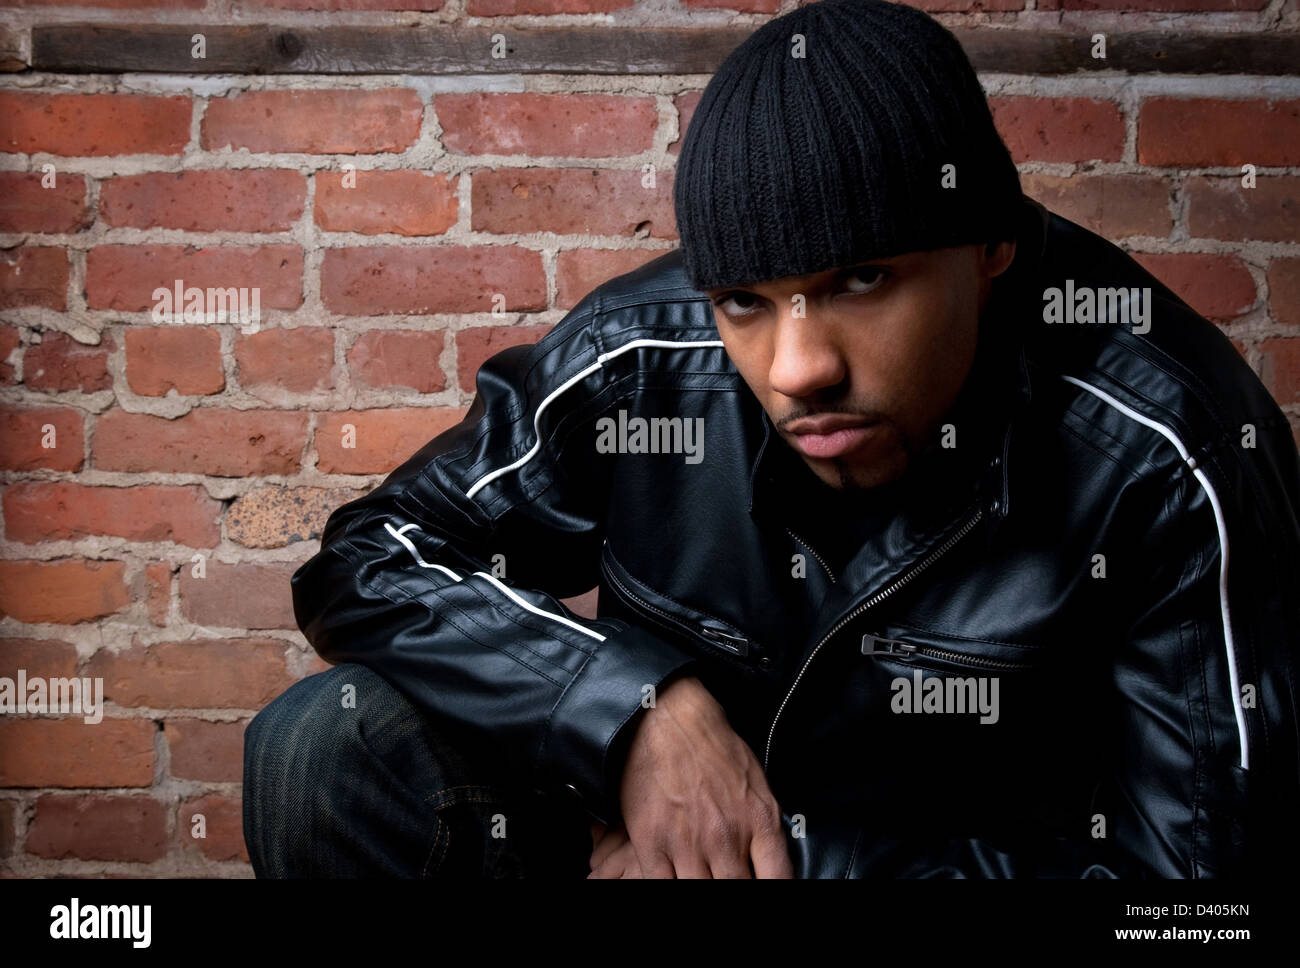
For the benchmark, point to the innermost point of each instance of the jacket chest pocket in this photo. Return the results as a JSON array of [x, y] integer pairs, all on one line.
[[1006, 731], [1034, 703], [716, 637]]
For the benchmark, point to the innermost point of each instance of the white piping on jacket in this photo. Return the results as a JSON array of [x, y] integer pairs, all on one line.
[[600, 361], [1221, 524], [397, 533], [400, 536], [541, 611]]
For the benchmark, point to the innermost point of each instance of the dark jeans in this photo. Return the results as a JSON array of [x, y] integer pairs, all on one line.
[[381, 790]]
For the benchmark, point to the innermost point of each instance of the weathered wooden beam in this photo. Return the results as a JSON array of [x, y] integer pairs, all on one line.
[[1135, 52], [268, 49], [383, 50]]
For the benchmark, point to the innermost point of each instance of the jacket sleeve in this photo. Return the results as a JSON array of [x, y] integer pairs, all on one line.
[[1198, 731], [445, 579]]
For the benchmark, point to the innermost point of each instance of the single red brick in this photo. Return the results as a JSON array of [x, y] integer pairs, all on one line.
[[183, 358], [314, 122], [1284, 290], [206, 751], [381, 439], [686, 104], [222, 443], [572, 201], [1280, 368], [241, 200], [272, 517], [1191, 132], [9, 341], [194, 674], [376, 280], [27, 206], [401, 202], [46, 658], [399, 358], [1170, 6], [509, 8], [740, 6], [35, 437], [1217, 286], [299, 360], [99, 828], [66, 591], [58, 362], [529, 123], [1221, 208], [476, 344], [158, 576], [34, 276], [94, 125], [129, 277], [966, 6], [428, 5], [1059, 129], [579, 271], [1113, 206], [70, 752], [63, 510], [112, 4], [239, 595], [220, 821]]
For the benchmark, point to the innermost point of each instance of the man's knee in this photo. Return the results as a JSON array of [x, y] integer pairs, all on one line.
[[298, 725], [300, 752], [343, 776]]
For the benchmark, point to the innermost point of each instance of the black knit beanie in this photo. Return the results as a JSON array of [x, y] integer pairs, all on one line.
[[793, 165]]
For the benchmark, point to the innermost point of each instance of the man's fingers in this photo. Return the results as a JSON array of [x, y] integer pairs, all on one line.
[[770, 855], [729, 864], [620, 861], [631, 869], [609, 843], [653, 862], [690, 864], [727, 853]]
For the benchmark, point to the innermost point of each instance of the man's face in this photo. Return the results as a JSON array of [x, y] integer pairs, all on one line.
[[859, 381]]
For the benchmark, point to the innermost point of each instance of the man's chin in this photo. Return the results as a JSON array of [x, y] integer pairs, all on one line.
[[850, 478]]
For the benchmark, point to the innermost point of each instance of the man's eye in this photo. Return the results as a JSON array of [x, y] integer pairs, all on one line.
[[736, 297], [874, 276]]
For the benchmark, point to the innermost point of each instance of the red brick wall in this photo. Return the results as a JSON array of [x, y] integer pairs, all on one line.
[[175, 443]]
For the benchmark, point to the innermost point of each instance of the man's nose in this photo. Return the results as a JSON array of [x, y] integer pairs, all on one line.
[[806, 357]]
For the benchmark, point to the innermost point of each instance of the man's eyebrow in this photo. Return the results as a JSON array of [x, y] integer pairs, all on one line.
[[829, 273]]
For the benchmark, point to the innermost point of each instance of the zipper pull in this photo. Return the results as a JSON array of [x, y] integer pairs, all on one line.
[[732, 643], [875, 645]]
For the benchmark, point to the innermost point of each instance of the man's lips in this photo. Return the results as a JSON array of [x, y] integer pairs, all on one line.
[[831, 435]]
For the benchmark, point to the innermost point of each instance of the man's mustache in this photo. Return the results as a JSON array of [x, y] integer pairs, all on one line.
[[869, 415]]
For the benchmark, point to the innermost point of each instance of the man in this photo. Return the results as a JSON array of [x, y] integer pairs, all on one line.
[[933, 537]]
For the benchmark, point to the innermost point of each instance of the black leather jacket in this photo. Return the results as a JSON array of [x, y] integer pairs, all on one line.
[[1070, 547]]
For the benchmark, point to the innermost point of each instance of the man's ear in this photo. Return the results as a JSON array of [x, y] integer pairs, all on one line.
[[998, 256]]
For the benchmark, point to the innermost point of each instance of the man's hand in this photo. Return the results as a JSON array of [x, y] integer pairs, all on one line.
[[694, 798]]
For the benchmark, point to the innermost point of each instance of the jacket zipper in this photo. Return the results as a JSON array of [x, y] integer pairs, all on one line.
[[898, 649], [814, 553], [863, 606], [735, 644]]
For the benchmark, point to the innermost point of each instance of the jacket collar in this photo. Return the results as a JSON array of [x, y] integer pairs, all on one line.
[[997, 390]]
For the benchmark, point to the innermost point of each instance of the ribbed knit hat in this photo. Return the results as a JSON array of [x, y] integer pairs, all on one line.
[[793, 165]]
